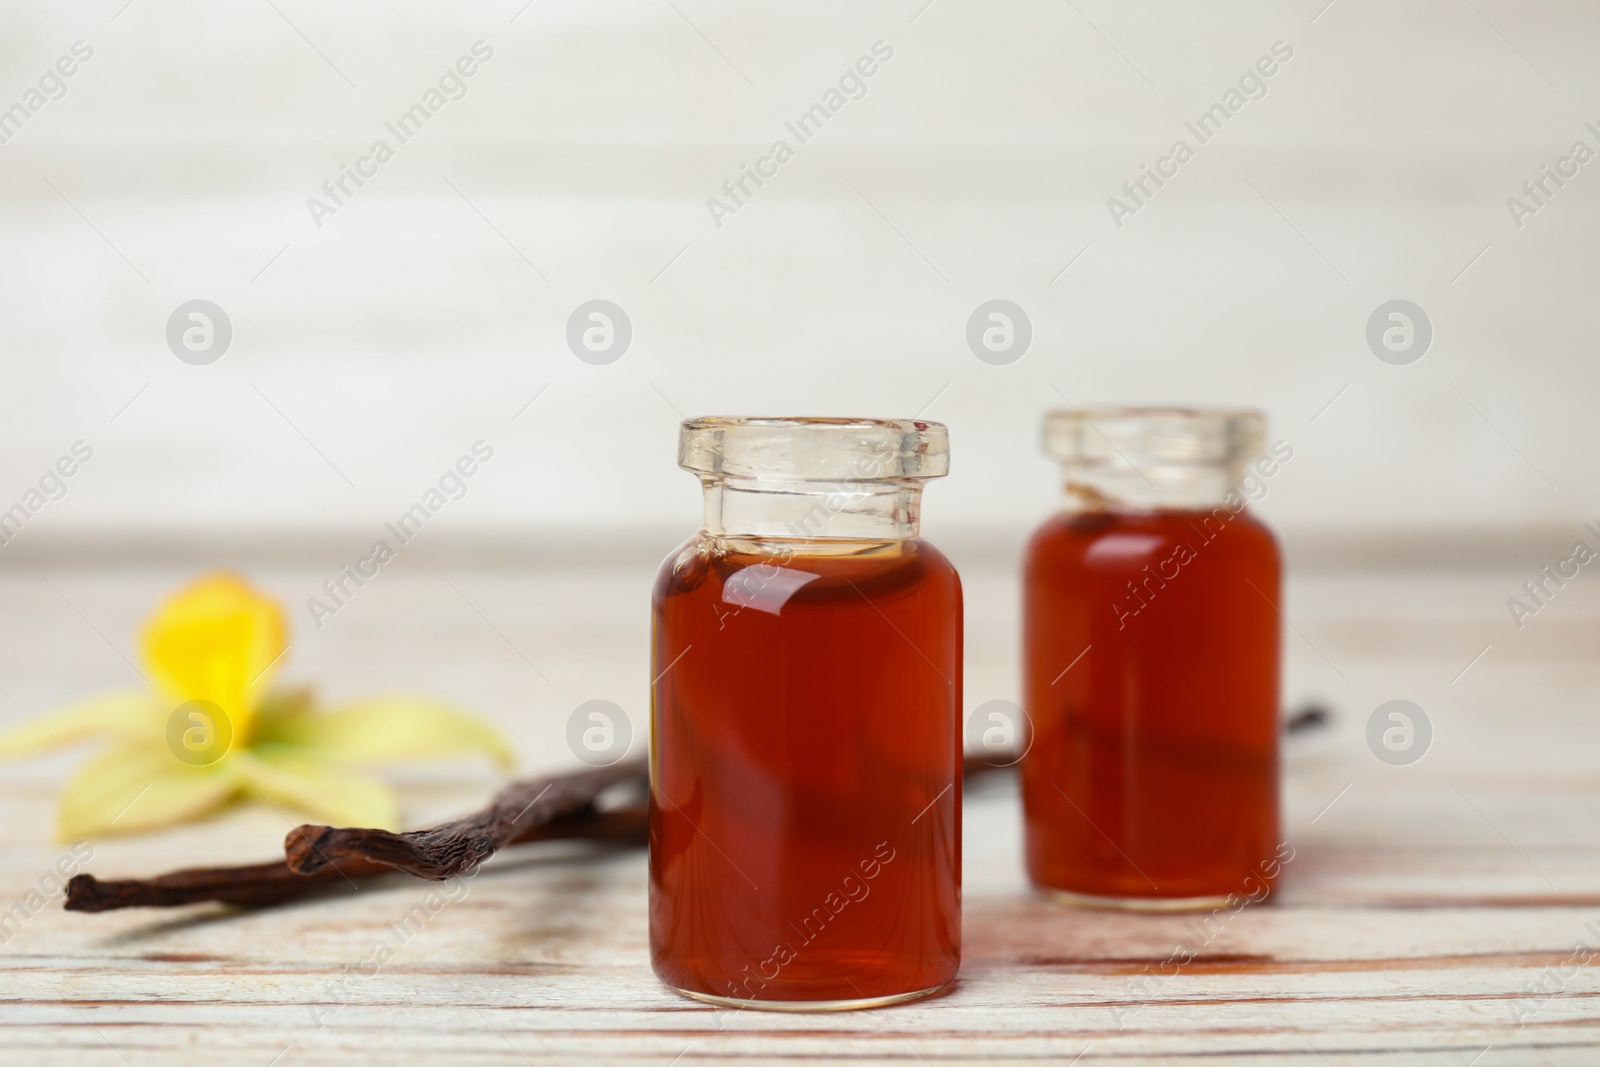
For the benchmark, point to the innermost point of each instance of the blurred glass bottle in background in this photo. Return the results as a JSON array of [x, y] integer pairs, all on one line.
[[1151, 663]]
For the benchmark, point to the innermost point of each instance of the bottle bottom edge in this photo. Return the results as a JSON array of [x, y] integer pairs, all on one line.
[[1091, 900], [854, 1004]]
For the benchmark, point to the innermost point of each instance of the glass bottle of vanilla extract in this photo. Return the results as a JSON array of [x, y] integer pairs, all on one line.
[[1151, 652], [805, 760]]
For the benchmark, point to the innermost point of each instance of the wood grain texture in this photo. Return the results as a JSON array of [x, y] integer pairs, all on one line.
[[1430, 912]]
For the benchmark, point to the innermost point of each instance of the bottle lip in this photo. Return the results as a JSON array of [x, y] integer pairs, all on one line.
[[1103, 436], [807, 449]]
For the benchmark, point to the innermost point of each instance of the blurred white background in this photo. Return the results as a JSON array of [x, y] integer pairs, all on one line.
[[372, 351]]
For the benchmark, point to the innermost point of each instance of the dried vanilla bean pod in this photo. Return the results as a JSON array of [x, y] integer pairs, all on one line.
[[456, 847], [560, 807]]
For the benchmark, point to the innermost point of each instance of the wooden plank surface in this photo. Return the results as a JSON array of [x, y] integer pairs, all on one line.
[[1429, 915]]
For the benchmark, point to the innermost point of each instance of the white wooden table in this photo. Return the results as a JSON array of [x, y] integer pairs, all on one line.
[[1429, 916]]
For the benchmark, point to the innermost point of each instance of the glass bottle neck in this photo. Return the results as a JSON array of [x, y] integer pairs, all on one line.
[[1150, 487], [812, 510]]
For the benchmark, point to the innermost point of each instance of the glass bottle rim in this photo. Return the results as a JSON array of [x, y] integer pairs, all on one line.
[[1157, 435], [822, 449]]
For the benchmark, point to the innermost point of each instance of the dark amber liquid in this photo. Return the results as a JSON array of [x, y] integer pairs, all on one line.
[[1154, 760], [805, 809]]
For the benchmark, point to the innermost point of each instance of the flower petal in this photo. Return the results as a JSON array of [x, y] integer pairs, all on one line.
[[139, 787], [129, 715], [320, 789], [388, 730], [216, 640]]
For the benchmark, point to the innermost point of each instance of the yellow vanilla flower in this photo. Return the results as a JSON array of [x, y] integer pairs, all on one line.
[[212, 732]]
